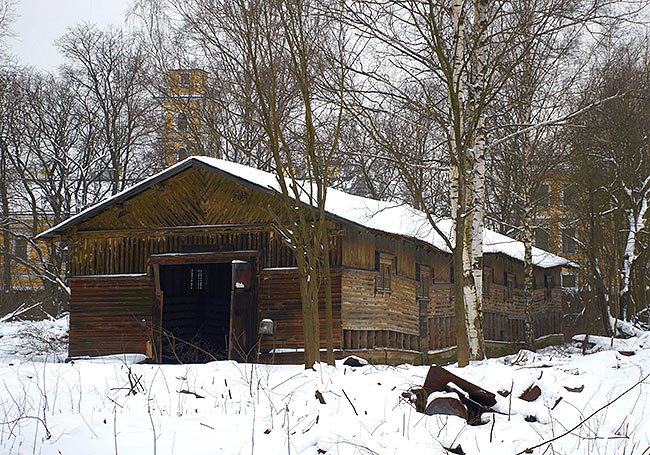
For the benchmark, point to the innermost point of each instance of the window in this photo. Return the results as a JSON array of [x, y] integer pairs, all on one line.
[[383, 265], [548, 285], [569, 280], [542, 239], [184, 79], [198, 279], [569, 195], [181, 122], [568, 240], [422, 278], [545, 194], [488, 277], [510, 283], [20, 248], [383, 278]]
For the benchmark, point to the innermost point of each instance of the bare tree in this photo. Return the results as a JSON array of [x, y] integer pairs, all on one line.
[[277, 85], [457, 59], [526, 148], [7, 16], [109, 68], [613, 148]]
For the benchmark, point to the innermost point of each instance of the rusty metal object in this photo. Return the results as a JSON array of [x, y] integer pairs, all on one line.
[[531, 393], [472, 398], [446, 406], [438, 378]]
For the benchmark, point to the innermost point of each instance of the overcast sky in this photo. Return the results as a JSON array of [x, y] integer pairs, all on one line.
[[40, 22]]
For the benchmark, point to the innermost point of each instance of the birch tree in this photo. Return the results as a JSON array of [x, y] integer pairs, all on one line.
[[460, 56]]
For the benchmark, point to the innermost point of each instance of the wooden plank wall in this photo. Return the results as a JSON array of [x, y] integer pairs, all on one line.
[[279, 300], [100, 254], [110, 314], [503, 320], [373, 318]]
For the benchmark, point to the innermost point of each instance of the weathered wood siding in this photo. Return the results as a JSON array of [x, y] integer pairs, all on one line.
[[129, 252], [365, 308], [375, 318], [202, 211], [503, 318], [279, 300], [110, 314]]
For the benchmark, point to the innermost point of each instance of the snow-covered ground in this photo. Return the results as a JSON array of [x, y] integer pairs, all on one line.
[[113, 406]]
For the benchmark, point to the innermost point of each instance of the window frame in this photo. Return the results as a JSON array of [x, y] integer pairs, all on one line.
[[569, 239], [184, 79], [384, 266], [21, 248], [423, 279]]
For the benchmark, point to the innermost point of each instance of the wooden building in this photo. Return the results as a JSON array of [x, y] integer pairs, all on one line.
[[190, 255]]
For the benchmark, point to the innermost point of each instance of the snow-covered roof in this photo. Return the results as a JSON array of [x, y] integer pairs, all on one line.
[[381, 216]]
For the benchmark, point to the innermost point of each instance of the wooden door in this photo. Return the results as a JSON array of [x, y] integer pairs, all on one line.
[[243, 313]]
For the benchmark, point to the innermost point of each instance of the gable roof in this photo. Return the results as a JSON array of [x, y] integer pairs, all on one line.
[[382, 216]]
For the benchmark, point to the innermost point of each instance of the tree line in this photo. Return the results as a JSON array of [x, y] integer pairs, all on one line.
[[464, 109]]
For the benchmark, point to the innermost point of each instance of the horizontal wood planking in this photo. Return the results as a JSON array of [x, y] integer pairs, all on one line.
[[364, 308], [107, 314], [279, 300]]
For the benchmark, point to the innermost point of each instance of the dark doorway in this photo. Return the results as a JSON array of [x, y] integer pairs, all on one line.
[[196, 312]]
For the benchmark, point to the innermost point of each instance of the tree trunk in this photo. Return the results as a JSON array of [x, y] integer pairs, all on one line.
[[312, 347], [529, 278], [327, 281], [458, 186], [473, 294], [6, 238]]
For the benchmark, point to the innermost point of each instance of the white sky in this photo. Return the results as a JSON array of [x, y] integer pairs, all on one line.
[[40, 22]]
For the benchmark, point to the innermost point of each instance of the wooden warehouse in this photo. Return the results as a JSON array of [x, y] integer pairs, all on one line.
[[188, 262]]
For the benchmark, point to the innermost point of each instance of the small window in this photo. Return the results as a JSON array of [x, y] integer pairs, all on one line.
[[184, 79], [488, 277], [20, 248], [542, 240], [548, 285], [569, 280], [197, 279], [383, 265], [569, 195], [181, 122], [568, 241], [383, 278], [544, 195], [422, 278], [510, 283]]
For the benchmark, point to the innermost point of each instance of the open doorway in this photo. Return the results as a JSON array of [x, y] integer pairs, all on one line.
[[196, 311]]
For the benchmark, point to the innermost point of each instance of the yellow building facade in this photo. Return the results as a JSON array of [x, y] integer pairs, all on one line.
[[558, 230], [183, 111]]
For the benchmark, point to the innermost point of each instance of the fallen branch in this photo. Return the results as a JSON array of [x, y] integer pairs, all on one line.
[[48, 435], [349, 401]]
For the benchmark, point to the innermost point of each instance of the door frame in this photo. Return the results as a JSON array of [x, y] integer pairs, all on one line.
[[156, 260]]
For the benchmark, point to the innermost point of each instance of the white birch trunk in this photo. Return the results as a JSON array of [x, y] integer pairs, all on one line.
[[458, 182], [529, 278], [473, 268], [636, 224]]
